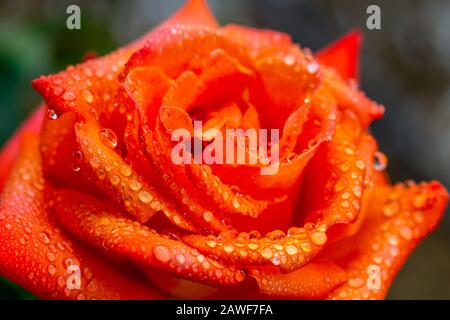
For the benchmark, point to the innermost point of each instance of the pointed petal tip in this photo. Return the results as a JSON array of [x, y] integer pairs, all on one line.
[[193, 12], [343, 54]]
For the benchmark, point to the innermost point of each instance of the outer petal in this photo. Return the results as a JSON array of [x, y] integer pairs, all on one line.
[[313, 281], [35, 252], [101, 225], [10, 150], [400, 216]]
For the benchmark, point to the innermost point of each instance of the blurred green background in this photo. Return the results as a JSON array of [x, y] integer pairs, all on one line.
[[405, 66]]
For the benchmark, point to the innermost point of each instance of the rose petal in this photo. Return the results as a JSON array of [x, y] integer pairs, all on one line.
[[286, 252], [10, 151], [343, 55], [313, 281], [399, 217], [120, 181], [35, 253], [101, 225]]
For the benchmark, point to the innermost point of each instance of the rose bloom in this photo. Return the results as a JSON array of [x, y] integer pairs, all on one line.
[[93, 207]]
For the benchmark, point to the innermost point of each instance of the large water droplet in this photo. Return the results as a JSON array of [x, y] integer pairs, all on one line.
[[162, 253], [69, 96], [380, 161], [51, 114], [108, 137], [145, 196]]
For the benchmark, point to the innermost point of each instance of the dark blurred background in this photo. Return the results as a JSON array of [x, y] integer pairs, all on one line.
[[405, 66]]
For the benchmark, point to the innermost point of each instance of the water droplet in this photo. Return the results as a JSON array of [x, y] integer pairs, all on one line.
[[125, 171], [289, 60], [51, 114], [254, 234], [357, 191], [211, 243], [419, 200], [109, 138], [319, 238], [162, 253], [181, 259], [236, 203], [349, 151], [145, 196], [360, 164], [50, 256], [406, 232], [75, 167], [58, 91], [156, 205], [390, 208], [228, 248], [43, 237], [340, 185], [134, 185], [291, 250], [69, 96], [115, 180], [51, 269], [95, 162], [87, 96], [276, 235], [355, 282], [208, 216], [239, 275], [77, 155], [312, 67], [306, 247], [81, 296], [380, 161], [267, 253]]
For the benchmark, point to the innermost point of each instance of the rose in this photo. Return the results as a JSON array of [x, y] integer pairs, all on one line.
[[93, 207]]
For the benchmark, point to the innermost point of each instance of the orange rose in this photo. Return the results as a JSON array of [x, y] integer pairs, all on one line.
[[93, 205]]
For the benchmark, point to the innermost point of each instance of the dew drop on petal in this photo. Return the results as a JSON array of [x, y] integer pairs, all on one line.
[[319, 238], [51, 269], [390, 208], [125, 171], [43, 237], [406, 232], [69, 96], [75, 167], [145, 196], [161, 253], [87, 96], [267, 253], [291, 250], [134, 185], [208, 216], [380, 161], [51, 114], [109, 138]]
